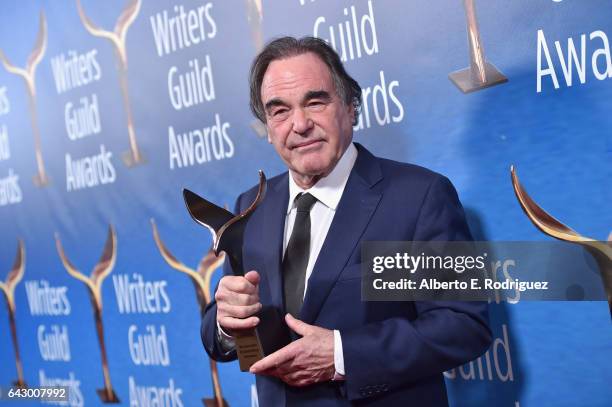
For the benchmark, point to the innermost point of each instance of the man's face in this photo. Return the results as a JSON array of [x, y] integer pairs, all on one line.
[[308, 123]]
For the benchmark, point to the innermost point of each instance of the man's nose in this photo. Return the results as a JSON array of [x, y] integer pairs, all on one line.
[[301, 122]]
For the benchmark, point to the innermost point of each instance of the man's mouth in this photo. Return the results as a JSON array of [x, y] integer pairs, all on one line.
[[306, 144]]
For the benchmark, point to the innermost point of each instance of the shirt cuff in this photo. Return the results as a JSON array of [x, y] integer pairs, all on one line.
[[227, 341], [338, 357]]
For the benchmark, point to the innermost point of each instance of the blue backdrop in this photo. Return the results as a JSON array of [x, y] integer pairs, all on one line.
[[184, 66]]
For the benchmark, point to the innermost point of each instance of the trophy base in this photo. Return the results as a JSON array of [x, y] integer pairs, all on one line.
[[464, 81], [20, 384], [214, 403], [130, 160], [41, 180], [260, 128], [270, 335], [104, 396]]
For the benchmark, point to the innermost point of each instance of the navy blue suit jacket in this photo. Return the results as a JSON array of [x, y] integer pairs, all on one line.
[[394, 352]]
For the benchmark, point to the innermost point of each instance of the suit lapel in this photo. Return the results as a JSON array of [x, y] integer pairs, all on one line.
[[272, 237], [357, 205]]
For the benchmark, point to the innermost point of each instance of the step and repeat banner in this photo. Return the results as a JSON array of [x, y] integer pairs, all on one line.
[[108, 109]]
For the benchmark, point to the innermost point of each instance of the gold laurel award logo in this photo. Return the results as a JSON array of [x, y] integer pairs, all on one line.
[[254, 10], [118, 38], [601, 251], [8, 289], [94, 284], [255, 18], [28, 74], [201, 282], [480, 74]]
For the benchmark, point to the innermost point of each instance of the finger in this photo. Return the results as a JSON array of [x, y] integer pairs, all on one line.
[[297, 378], [271, 372], [274, 360], [238, 284], [253, 277], [229, 323], [302, 383], [288, 377], [234, 298], [299, 327], [238, 311], [289, 374]]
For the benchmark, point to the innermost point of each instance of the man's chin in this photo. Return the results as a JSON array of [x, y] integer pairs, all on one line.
[[316, 172]]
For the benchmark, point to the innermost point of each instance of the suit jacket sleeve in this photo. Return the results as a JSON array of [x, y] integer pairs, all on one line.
[[397, 352]]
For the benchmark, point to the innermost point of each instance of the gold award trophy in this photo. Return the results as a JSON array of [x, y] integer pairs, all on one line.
[[201, 282], [480, 74], [601, 251], [255, 18], [94, 285], [118, 38], [28, 74], [227, 231], [8, 289]]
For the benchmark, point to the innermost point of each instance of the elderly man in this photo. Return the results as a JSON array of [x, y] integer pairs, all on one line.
[[302, 246]]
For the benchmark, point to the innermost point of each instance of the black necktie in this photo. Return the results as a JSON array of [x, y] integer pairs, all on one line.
[[296, 255]]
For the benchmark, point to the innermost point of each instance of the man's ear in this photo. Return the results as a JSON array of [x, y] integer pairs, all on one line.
[[352, 113]]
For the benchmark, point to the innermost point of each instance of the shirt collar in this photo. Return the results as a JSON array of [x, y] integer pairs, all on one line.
[[328, 190]]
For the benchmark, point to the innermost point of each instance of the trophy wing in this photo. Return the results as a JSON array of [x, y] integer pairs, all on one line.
[[233, 229], [540, 218], [127, 17], [206, 213], [231, 234], [70, 268], [8, 65], [169, 257], [40, 46], [107, 260], [210, 262], [92, 27], [16, 273]]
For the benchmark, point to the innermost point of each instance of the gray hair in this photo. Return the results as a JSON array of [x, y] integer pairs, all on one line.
[[285, 47]]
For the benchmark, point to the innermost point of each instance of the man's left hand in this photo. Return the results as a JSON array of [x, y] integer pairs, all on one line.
[[306, 361]]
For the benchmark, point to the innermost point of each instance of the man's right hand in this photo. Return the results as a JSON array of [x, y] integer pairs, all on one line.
[[237, 300]]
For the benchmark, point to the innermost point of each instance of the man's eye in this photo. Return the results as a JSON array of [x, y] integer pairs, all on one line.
[[276, 112], [279, 114], [316, 104]]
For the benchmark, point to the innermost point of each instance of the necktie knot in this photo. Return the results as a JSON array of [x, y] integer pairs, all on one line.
[[304, 202]]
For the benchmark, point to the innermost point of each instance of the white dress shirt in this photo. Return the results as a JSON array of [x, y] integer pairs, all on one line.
[[328, 191]]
